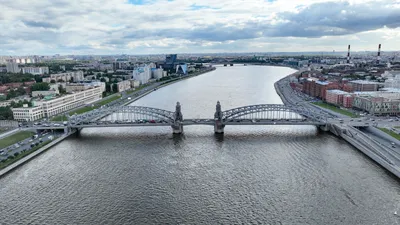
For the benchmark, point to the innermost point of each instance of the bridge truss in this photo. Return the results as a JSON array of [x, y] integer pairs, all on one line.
[[123, 113], [272, 112]]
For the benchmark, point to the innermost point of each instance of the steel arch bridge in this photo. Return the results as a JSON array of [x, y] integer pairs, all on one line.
[[124, 113], [271, 111]]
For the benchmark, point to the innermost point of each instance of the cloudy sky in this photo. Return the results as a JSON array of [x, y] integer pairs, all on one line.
[[207, 26]]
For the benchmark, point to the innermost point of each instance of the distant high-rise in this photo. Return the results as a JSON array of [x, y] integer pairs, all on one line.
[[170, 61], [12, 67]]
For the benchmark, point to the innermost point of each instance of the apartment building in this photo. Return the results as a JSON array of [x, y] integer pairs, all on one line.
[[36, 70], [65, 77], [335, 96]]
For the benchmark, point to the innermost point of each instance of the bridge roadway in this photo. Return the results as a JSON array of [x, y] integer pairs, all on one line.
[[185, 122]]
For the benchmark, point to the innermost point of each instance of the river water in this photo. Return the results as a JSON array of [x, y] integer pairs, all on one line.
[[251, 174]]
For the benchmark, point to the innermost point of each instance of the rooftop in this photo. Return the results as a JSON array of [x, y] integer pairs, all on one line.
[[336, 91], [364, 82]]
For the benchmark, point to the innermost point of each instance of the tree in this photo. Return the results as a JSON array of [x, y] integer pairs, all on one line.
[[71, 80], [102, 79], [6, 113], [12, 94], [115, 88], [61, 89], [41, 87], [60, 80], [108, 87], [53, 81], [38, 78], [21, 91]]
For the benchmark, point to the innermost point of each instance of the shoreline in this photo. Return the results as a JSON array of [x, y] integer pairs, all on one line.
[[22, 161], [346, 134]]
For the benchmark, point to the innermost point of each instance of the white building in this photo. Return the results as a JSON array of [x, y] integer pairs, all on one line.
[[66, 77], [157, 73], [143, 73], [27, 113], [36, 70], [12, 67], [74, 87], [52, 106], [45, 93]]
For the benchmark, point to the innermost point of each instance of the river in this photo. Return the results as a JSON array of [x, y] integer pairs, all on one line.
[[251, 174]]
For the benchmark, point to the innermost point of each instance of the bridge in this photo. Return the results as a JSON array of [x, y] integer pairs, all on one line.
[[135, 116]]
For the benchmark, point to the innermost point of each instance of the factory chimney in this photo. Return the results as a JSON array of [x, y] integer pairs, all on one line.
[[348, 55], [378, 58]]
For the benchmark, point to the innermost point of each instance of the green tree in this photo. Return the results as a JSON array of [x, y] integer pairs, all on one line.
[[53, 81], [60, 80], [102, 79], [12, 94], [108, 87], [115, 88], [71, 80], [61, 89], [21, 91], [41, 87], [6, 113]]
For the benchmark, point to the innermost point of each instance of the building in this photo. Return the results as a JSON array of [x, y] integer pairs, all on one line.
[[36, 70], [364, 85], [348, 101], [316, 88], [182, 68], [12, 67], [135, 83], [65, 77], [27, 113], [170, 61], [157, 73], [392, 82], [335, 96], [123, 85], [143, 73], [378, 103], [49, 106], [74, 87], [45, 93]]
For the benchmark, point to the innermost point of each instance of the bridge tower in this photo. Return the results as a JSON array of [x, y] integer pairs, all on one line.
[[218, 125], [177, 127]]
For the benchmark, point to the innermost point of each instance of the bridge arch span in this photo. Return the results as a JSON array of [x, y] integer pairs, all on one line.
[[271, 111]]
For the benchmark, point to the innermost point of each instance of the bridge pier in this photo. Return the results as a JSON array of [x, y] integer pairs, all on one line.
[[324, 127], [177, 127], [218, 125]]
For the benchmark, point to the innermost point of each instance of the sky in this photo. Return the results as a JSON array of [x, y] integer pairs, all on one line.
[[46, 27]]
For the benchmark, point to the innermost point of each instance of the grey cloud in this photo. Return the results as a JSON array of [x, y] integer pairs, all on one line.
[[320, 19], [42, 24], [326, 18]]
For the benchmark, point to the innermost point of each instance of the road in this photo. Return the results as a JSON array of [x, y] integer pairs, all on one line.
[[25, 145]]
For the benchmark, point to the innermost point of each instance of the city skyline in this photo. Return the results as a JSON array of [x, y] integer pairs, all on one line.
[[165, 26]]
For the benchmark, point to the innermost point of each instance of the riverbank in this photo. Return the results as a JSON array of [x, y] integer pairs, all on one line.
[[32, 155], [382, 153]]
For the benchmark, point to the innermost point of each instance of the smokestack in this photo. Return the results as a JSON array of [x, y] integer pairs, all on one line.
[[348, 54], [379, 54]]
